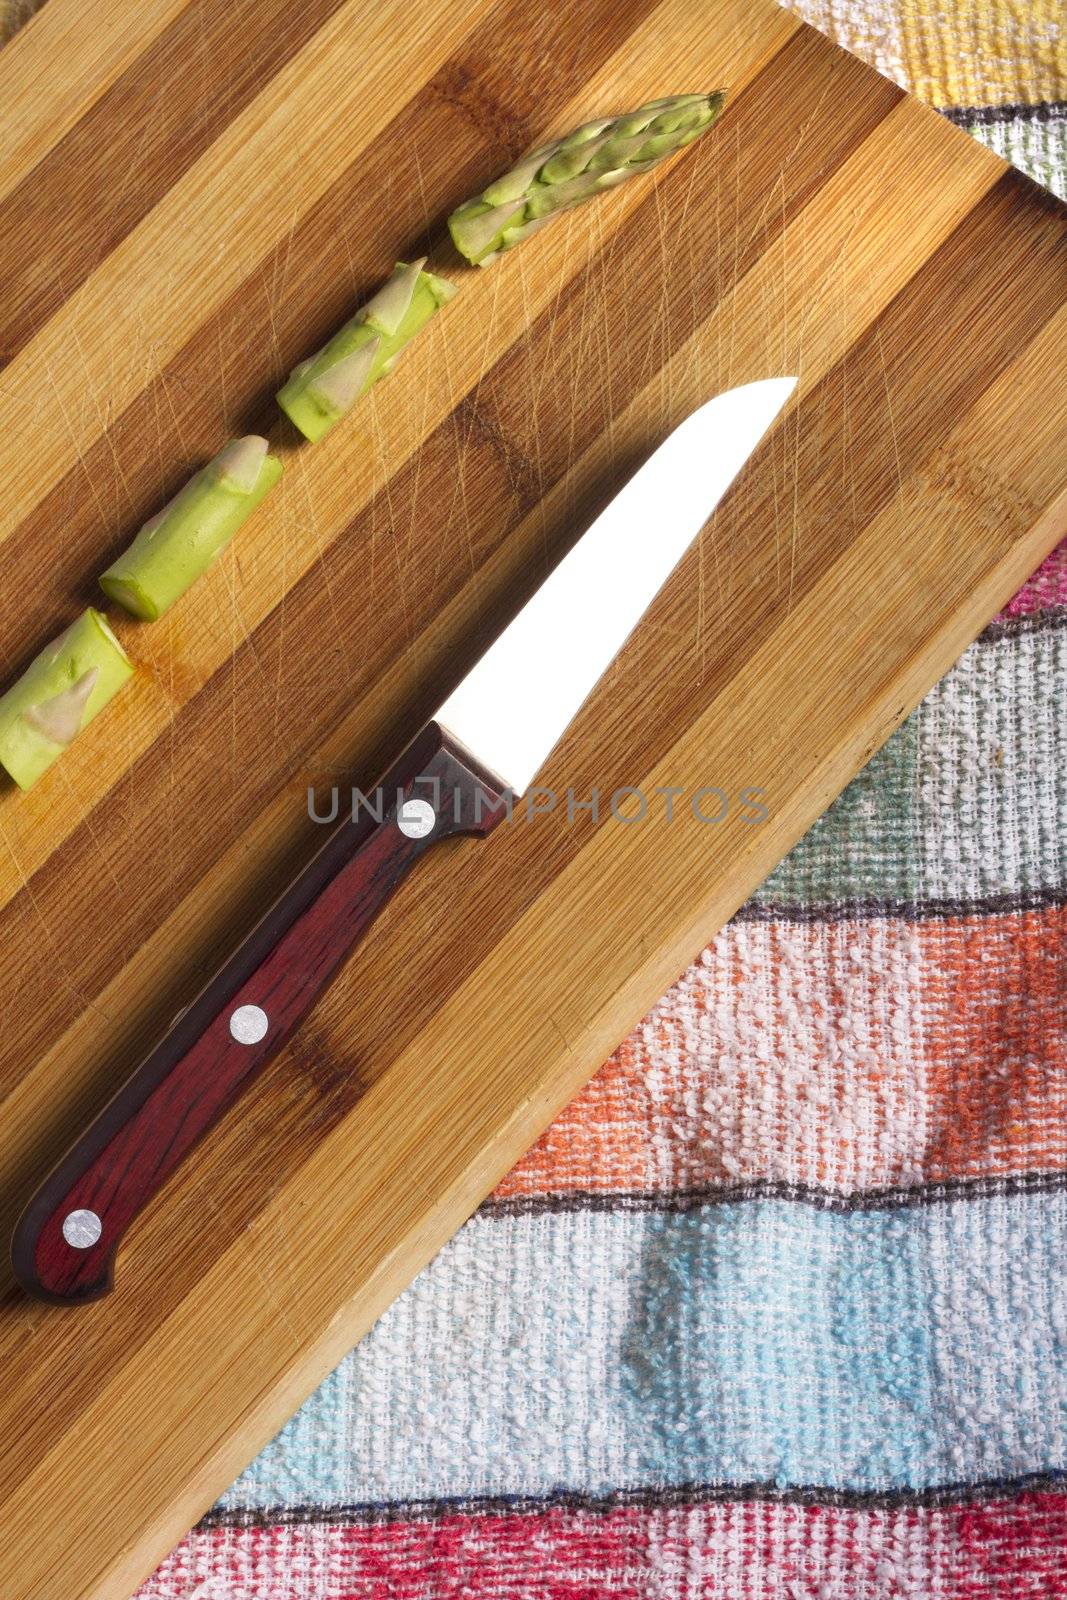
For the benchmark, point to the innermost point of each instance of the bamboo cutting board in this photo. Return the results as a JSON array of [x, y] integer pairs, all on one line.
[[193, 194]]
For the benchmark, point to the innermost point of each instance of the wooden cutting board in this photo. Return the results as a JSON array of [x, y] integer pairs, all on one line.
[[193, 194]]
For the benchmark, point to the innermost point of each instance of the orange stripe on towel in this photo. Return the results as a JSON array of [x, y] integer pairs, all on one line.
[[845, 1055]]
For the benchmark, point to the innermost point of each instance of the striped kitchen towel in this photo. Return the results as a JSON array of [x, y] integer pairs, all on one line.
[[776, 1310]]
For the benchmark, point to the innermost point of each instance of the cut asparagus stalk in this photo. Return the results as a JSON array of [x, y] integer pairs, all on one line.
[[592, 158], [60, 693], [322, 390], [180, 542]]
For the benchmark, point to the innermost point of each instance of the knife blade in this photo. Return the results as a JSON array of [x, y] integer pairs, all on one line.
[[576, 623], [488, 741]]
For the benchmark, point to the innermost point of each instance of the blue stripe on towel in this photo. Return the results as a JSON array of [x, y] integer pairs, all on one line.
[[757, 1341]]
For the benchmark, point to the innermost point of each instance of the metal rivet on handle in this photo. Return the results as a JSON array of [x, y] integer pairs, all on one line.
[[416, 818], [82, 1229], [249, 1024]]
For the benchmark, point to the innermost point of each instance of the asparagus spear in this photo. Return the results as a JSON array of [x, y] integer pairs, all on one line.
[[321, 390], [180, 542], [60, 693], [596, 156]]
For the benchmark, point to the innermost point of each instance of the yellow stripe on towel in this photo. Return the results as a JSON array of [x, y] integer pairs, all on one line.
[[984, 52]]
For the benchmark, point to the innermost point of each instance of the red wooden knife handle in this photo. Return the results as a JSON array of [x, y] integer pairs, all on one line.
[[64, 1245]]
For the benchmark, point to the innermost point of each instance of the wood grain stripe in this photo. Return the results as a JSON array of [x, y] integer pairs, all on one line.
[[41, 105], [118, 161]]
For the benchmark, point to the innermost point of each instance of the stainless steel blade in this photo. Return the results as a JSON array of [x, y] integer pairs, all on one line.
[[514, 705]]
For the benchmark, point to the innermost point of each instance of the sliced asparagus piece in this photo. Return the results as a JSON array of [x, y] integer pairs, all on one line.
[[180, 542], [322, 390], [595, 157], [60, 693]]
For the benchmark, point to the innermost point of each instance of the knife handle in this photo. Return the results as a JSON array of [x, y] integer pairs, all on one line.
[[64, 1246]]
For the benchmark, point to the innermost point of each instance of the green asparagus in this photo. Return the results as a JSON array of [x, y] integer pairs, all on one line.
[[60, 693], [322, 389], [180, 542], [596, 156]]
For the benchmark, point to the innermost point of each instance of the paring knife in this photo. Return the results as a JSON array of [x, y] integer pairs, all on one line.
[[490, 737]]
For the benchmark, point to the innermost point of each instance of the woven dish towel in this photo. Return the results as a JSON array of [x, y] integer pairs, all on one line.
[[776, 1309]]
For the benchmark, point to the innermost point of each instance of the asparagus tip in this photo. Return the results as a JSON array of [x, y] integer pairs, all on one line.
[[595, 156]]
